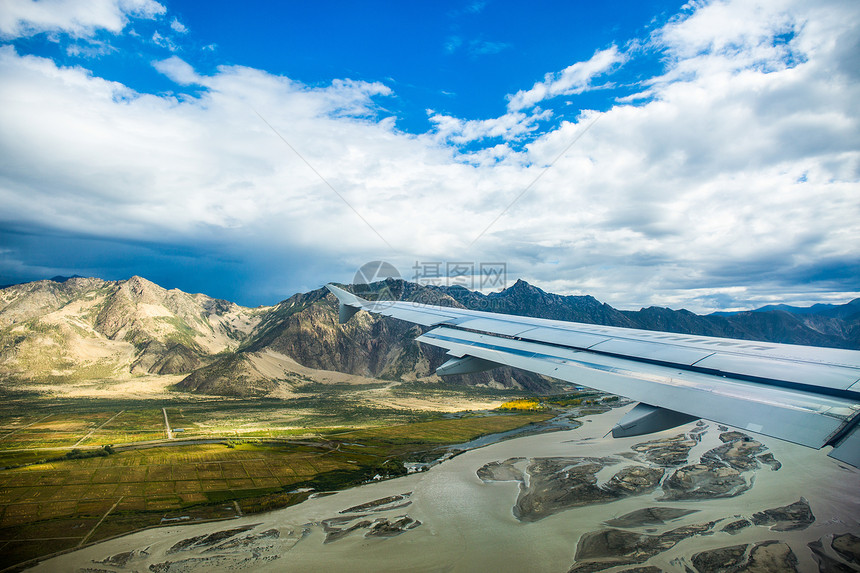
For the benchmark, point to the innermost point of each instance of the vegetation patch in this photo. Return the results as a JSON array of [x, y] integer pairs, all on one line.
[[522, 404], [450, 431]]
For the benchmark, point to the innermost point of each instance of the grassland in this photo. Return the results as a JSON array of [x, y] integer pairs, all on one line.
[[61, 488]]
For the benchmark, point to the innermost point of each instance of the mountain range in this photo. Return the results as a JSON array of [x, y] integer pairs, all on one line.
[[73, 329]]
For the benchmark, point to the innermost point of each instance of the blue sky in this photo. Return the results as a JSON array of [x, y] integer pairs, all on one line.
[[702, 155]]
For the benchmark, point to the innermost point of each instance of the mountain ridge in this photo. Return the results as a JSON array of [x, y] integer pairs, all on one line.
[[87, 328]]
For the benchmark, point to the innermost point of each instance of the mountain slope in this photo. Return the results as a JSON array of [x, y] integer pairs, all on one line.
[[90, 328], [305, 328]]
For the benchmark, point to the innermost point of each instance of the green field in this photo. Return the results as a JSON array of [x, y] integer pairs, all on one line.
[[56, 427], [70, 429], [60, 488]]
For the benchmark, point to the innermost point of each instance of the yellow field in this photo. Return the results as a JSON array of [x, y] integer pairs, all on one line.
[[523, 404], [449, 431]]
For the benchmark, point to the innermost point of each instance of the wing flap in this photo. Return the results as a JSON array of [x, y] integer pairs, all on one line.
[[834, 377], [647, 419], [848, 449], [505, 327], [652, 351], [565, 337]]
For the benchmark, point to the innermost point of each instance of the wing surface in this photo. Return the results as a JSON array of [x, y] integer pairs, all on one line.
[[802, 394]]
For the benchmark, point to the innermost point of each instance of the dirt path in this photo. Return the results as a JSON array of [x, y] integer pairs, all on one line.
[[96, 526], [167, 424], [27, 426], [94, 430]]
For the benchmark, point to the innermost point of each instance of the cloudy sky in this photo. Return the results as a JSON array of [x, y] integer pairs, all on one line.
[[702, 155]]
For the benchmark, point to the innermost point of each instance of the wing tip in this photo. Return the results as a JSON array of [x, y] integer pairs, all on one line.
[[348, 303], [343, 295]]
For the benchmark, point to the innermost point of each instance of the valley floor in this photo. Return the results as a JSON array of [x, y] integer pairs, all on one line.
[[75, 470], [548, 502]]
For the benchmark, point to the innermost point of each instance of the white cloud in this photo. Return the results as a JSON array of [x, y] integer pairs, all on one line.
[[509, 126], [179, 71], [475, 7], [128, 165], [574, 79], [90, 49], [178, 26], [452, 44], [484, 47], [743, 31], [22, 18], [164, 41], [736, 180]]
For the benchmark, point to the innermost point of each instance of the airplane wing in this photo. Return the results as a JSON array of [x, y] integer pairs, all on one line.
[[802, 394]]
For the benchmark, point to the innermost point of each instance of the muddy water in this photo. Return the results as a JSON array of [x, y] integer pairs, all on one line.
[[468, 525]]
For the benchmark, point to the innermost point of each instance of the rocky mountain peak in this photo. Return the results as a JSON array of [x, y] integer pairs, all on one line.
[[522, 286], [139, 289]]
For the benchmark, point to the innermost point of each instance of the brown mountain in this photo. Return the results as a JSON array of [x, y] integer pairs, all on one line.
[[93, 329], [305, 328], [90, 328]]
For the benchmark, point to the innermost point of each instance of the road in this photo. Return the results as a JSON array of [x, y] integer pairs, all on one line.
[[167, 425], [94, 430]]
